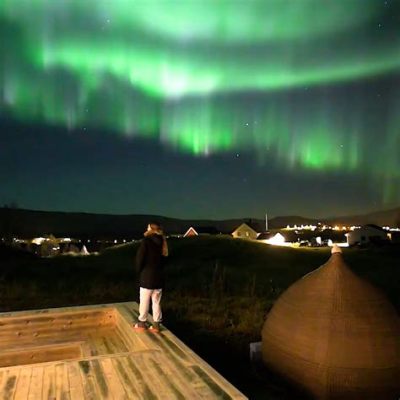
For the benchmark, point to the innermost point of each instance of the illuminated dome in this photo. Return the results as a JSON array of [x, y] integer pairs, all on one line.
[[335, 335]]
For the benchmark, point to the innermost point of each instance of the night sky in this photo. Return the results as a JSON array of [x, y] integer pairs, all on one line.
[[200, 109]]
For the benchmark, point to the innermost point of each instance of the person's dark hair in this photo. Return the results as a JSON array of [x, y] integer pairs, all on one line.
[[155, 224]]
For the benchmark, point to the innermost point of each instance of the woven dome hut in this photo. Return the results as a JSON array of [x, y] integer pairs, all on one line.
[[335, 335]]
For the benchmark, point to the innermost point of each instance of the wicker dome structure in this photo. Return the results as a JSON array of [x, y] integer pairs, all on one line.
[[335, 335]]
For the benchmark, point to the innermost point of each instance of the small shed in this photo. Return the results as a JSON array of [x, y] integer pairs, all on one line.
[[201, 230]]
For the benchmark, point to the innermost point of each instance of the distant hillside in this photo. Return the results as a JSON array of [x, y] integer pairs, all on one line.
[[29, 223], [382, 218], [281, 222]]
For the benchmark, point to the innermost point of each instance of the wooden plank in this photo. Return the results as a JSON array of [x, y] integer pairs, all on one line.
[[89, 385], [39, 354], [179, 353], [164, 386], [101, 380], [176, 374], [115, 385], [172, 343], [167, 346], [36, 384], [131, 310], [116, 339], [3, 375], [48, 336], [91, 345], [62, 310], [132, 340], [28, 323], [114, 346], [216, 390], [8, 383], [49, 382], [23, 383], [136, 373], [138, 341], [117, 362], [62, 382], [44, 341], [181, 368], [128, 339], [97, 343], [87, 348], [127, 381], [62, 327], [107, 345], [12, 324], [48, 331], [75, 381]]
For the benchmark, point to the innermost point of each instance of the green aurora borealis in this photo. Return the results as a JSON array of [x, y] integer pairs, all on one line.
[[309, 84]]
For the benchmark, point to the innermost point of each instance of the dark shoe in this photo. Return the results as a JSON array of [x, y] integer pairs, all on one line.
[[140, 326], [155, 328]]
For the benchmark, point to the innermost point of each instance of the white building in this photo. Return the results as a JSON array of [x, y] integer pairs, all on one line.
[[246, 231], [366, 234]]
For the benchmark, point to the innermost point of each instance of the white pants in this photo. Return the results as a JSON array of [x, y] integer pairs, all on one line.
[[145, 296]]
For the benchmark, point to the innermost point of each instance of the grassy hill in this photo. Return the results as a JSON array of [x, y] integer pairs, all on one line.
[[217, 294]]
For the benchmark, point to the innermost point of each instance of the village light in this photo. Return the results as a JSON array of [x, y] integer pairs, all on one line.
[[38, 240], [277, 240]]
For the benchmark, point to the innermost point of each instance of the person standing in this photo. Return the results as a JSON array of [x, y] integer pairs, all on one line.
[[150, 258]]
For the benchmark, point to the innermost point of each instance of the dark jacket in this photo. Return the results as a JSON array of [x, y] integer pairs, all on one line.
[[150, 262]]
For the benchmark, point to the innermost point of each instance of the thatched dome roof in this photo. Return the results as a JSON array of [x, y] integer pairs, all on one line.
[[335, 335]]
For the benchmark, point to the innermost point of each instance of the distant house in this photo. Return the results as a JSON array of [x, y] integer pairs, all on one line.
[[265, 236], [394, 236], [201, 230], [272, 238], [84, 251], [287, 237], [246, 231], [367, 234]]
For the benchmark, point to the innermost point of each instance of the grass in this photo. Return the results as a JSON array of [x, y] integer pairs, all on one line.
[[217, 294]]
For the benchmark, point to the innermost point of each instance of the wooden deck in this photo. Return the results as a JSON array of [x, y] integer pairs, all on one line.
[[92, 352]]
